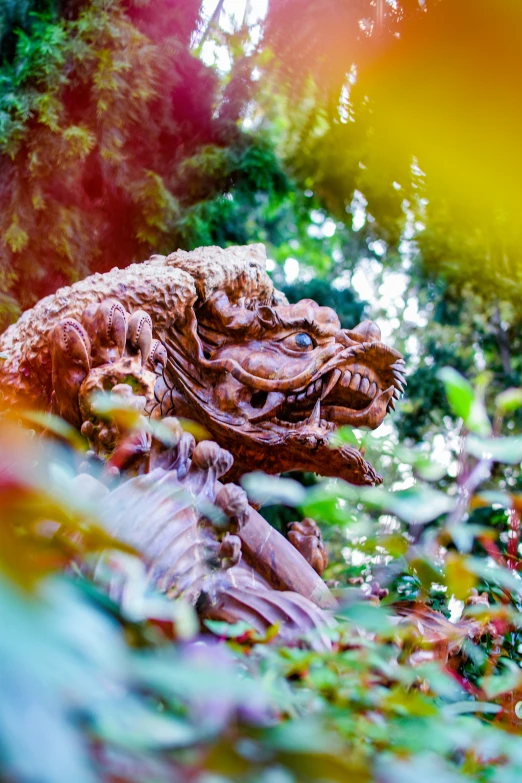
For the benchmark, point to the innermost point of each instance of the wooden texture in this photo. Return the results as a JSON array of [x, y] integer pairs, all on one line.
[[204, 336]]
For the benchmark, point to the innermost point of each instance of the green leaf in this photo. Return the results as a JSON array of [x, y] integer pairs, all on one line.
[[268, 490], [492, 498], [228, 630], [426, 767], [416, 505], [408, 702], [467, 707], [464, 401], [506, 449], [509, 680], [459, 578], [344, 436], [459, 391], [427, 571], [331, 502], [509, 580], [195, 428], [56, 426], [138, 727], [509, 400], [375, 619]]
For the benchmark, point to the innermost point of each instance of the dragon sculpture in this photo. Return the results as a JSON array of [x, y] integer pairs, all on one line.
[[204, 336]]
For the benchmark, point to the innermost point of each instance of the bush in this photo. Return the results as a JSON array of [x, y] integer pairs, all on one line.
[[128, 686]]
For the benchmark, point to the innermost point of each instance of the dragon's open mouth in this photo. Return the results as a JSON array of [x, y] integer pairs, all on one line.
[[356, 395]]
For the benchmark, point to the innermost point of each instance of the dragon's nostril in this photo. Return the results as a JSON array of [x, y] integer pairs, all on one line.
[[258, 399]]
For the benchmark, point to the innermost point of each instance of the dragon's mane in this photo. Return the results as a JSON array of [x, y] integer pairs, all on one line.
[[164, 286]]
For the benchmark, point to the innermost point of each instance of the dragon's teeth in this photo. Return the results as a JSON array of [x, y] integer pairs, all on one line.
[[332, 381], [364, 385], [356, 380], [372, 391], [315, 415], [346, 379]]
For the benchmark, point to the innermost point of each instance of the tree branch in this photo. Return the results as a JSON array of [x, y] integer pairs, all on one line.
[[502, 340], [213, 20]]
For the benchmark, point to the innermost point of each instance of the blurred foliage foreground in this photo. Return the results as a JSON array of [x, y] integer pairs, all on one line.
[[134, 689]]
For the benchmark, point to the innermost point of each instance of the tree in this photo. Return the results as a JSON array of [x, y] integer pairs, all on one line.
[[416, 109], [117, 143]]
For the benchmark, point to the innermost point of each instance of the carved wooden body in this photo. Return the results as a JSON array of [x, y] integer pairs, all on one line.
[[228, 572], [205, 336]]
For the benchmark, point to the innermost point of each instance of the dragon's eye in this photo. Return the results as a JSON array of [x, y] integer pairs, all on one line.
[[300, 342]]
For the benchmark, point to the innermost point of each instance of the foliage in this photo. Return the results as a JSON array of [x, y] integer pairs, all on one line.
[[128, 686], [384, 114], [411, 110], [117, 142]]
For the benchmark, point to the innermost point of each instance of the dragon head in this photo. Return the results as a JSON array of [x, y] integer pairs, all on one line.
[[272, 381]]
